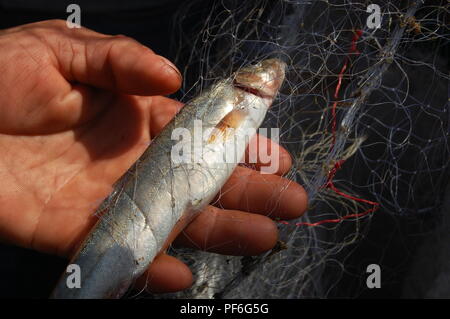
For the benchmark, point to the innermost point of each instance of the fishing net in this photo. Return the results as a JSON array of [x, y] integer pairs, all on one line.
[[363, 112]]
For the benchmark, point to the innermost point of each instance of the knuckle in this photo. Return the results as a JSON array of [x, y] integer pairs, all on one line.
[[123, 39]]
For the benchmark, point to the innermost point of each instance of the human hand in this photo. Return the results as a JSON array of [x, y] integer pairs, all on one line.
[[77, 109]]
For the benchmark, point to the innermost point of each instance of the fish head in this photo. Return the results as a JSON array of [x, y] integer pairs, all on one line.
[[253, 90], [262, 79]]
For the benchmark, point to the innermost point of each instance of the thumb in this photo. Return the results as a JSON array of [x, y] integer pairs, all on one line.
[[112, 62], [69, 72]]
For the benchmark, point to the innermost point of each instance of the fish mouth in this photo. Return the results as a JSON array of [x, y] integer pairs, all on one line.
[[252, 90]]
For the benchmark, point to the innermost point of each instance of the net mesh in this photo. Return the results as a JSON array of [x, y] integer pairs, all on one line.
[[363, 112]]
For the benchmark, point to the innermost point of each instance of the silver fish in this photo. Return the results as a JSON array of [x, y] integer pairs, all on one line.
[[163, 186]]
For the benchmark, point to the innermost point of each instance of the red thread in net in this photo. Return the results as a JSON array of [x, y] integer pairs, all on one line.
[[329, 183]]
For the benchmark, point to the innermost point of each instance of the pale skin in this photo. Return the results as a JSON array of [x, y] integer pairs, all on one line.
[[77, 109]]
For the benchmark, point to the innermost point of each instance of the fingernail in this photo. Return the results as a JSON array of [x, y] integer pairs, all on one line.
[[172, 66]]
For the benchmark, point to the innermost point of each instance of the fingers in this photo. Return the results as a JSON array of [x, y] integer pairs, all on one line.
[[229, 232], [165, 274], [109, 62], [265, 155], [270, 195]]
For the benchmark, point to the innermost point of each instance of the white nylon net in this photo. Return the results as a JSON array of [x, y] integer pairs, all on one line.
[[364, 113]]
